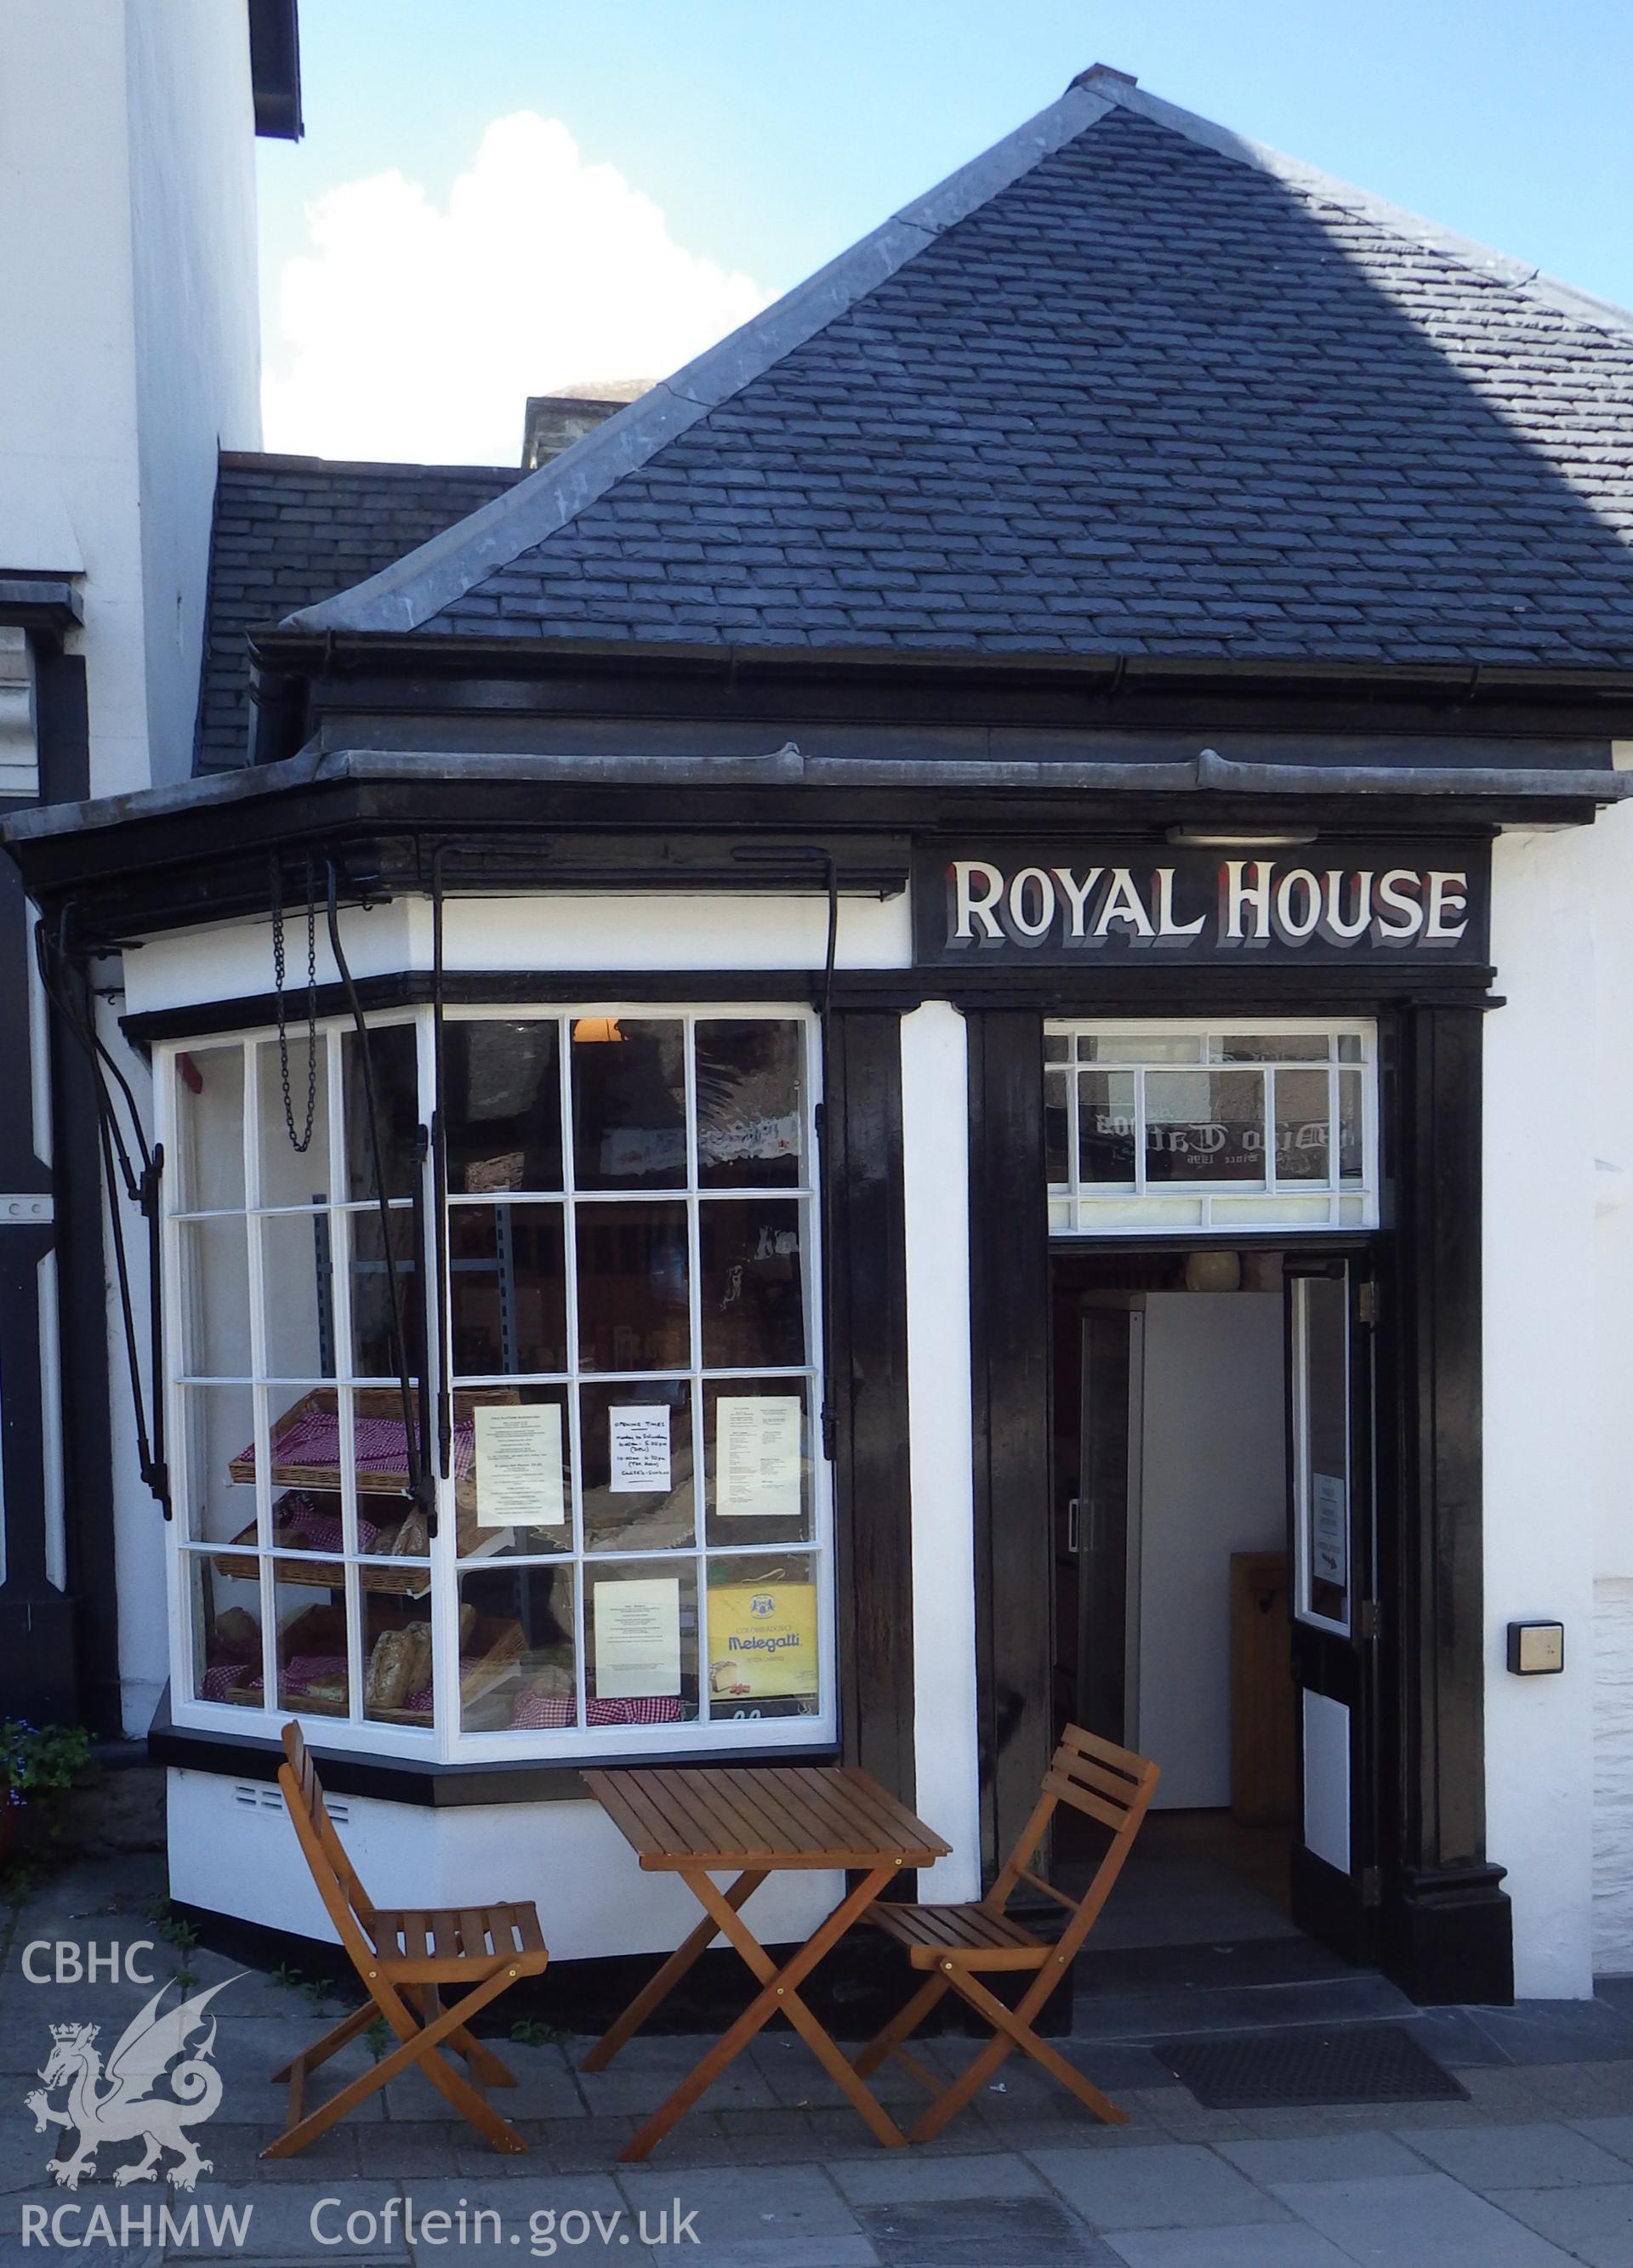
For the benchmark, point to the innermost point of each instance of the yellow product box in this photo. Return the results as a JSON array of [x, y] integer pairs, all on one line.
[[762, 1640]]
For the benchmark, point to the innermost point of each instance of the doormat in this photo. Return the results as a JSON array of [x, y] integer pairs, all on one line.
[[1307, 2065]]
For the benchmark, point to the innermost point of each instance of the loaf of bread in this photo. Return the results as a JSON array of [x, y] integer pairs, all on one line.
[[417, 1654], [237, 1635], [385, 1680], [413, 1538]]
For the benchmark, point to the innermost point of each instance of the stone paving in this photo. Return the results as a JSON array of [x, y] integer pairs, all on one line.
[[773, 2170]]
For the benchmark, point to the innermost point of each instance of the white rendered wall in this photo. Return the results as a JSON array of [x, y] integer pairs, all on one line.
[[936, 1176], [629, 931], [130, 351], [127, 233], [233, 1852], [197, 339], [1547, 1399], [1213, 1481]]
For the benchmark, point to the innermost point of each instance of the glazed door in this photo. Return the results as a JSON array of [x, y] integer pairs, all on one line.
[[1331, 1597]]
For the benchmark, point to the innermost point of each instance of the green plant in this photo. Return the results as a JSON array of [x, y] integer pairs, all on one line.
[[377, 2038], [182, 1935], [289, 1976], [41, 1759], [532, 2032]]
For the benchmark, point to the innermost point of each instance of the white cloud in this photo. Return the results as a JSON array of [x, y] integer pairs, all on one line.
[[409, 331]]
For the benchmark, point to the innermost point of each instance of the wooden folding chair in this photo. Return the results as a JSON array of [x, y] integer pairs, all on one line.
[[958, 1943], [404, 1957]]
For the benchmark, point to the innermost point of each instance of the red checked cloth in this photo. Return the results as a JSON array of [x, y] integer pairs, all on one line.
[[314, 1438], [554, 1712], [300, 1672], [298, 1513]]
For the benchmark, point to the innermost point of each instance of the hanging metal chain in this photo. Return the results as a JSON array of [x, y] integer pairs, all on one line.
[[302, 1142]]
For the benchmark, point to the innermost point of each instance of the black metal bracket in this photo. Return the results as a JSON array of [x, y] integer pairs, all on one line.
[[130, 1163]]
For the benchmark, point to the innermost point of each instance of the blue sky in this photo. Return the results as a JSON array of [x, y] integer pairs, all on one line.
[[769, 137]]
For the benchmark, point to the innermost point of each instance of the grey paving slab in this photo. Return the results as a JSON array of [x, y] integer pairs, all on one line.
[[1172, 2185], [281, 2224], [744, 2204], [1592, 2224], [1321, 2158], [904, 2176], [1558, 2031], [1454, 2039], [1426, 2218], [1615, 2135], [777, 2252], [1282, 2246], [1031, 2232], [582, 2214], [1145, 2016], [1537, 2157]]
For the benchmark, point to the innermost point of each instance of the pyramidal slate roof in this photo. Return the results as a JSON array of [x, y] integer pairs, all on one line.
[[1125, 384]]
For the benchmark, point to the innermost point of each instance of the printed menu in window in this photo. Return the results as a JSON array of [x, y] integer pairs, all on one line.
[[519, 1465], [638, 1644], [756, 1456]]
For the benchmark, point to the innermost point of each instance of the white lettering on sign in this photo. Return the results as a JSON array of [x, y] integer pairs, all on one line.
[[1244, 903]]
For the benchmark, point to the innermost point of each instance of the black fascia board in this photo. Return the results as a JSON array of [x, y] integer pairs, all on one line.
[[187, 867], [454, 674], [275, 69]]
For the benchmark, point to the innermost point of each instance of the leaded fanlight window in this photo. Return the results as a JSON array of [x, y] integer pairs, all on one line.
[[632, 1540], [1223, 1126]]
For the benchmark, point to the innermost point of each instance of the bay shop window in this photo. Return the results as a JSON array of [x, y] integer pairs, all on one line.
[[623, 1542]]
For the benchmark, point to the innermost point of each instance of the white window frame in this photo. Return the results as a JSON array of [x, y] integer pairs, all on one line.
[[443, 1741], [1141, 1208]]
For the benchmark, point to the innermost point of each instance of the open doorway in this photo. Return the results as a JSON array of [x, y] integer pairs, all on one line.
[[1172, 1634]]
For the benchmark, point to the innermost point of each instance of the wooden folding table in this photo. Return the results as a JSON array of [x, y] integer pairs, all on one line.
[[753, 1821]]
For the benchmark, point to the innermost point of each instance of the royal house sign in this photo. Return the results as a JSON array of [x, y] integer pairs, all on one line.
[[1062, 903]]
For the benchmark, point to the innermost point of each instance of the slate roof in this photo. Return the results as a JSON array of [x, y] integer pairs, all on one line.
[[290, 530], [1125, 385]]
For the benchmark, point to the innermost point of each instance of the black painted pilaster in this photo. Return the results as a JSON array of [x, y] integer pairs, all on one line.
[[867, 1341], [1009, 1383], [1447, 1925]]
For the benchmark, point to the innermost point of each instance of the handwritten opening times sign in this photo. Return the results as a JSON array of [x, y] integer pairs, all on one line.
[[1326, 903]]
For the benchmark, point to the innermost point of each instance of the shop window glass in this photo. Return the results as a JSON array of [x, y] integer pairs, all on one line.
[[216, 1500], [374, 1347], [518, 1651], [638, 1465], [213, 1283], [227, 1662], [629, 1104], [641, 1642], [393, 1060], [633, 1428], [753, 1286], [298, 1293], [507, 1289], [1267, 1129], [751, 1104], [759, 1473], [209, 1130], [633, 1274], [1303, 1125], [290, 1175], [1107, 1126], [763, 1638], [513, 1460], [503, 1105], [1204, 1126]]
